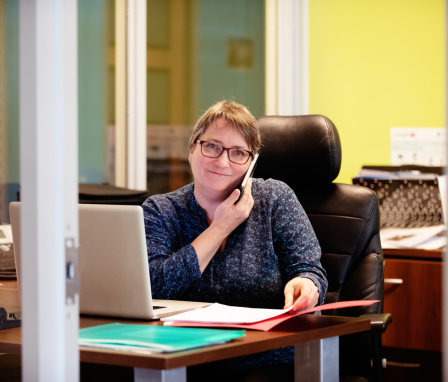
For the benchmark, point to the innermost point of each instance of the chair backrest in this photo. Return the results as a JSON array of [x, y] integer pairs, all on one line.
[[305, 153]]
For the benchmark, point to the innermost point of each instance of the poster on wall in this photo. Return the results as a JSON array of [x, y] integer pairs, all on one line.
[[418, 145]]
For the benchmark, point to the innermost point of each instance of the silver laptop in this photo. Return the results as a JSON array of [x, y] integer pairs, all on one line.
[[112, 263]]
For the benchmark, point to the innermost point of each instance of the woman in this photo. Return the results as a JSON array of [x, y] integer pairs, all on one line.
[[258, 252]]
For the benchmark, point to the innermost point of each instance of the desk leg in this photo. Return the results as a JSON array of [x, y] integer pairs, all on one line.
[[317, 361], [152, 375]]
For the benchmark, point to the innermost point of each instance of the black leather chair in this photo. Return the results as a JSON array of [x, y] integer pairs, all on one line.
[[305, 152]]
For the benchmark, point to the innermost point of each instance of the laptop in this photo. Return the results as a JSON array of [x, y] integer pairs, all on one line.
[[112, 263]]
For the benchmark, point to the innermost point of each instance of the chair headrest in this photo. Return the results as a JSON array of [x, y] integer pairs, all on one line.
[[301, 149]]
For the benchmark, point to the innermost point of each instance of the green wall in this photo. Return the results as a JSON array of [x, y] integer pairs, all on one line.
[[376, 64], [93, 93], [218, 22], [92, 89]]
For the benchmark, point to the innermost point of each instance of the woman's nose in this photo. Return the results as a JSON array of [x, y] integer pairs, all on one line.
[[223, 159]]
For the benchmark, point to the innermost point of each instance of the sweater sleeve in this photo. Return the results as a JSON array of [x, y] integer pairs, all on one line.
[[173, 266], [295, 242]]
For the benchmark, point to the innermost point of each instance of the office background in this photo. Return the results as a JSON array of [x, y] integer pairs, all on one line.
[[373, 65], [376, 65]]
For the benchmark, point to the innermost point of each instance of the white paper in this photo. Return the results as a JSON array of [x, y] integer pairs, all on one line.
[[432, 237], [442, 181], [124, 344], [368, 173], [226, 314]]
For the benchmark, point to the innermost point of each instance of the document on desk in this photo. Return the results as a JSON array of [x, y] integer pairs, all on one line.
[[151, 338], [432, 237], [219, 315]]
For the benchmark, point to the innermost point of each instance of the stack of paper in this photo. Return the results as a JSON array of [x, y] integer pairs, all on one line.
[[218, 315], [432, 237], [151, 338]]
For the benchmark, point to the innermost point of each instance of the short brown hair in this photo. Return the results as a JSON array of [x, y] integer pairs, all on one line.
[[237, 115]]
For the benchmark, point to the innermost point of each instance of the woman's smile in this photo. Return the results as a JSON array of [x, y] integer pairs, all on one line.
[[217, 172]]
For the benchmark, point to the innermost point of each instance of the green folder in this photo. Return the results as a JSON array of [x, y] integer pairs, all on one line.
[[151, 338]]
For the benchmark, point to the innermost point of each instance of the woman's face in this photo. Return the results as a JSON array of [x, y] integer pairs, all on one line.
[[218, 176]]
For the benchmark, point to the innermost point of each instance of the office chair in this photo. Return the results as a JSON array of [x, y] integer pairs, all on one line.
[[305, 153]]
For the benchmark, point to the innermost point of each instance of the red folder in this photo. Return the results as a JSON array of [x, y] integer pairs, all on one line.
[[269, 323]]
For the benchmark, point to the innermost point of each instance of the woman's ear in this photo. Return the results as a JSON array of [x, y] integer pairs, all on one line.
[[190, 152]]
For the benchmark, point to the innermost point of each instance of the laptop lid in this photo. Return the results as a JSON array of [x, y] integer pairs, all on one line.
[[112, 263]]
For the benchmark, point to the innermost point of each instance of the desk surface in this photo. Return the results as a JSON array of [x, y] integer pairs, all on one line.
[[298, 330], [416, 253]]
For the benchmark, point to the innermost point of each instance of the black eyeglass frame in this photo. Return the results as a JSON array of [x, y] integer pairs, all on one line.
[[200, 141]]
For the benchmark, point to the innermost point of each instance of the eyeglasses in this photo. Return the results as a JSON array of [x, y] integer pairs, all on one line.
[[214, 150]]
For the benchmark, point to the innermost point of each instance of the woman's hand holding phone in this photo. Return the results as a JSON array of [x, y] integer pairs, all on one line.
[[231, 214], [228, 215]]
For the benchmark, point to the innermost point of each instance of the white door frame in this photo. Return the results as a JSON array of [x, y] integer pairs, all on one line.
[[287, 57], [49, 189], [130, 100], [445, 265]]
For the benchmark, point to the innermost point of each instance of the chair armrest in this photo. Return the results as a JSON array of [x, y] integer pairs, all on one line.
[[378, 321]]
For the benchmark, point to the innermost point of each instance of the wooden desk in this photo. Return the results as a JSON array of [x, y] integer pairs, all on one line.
[[413, 295], [316, 341]]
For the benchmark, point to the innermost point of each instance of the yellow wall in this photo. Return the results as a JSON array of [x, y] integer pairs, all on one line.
[[376, 64]]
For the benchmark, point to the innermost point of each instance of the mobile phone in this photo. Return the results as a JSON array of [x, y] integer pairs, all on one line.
[[249, 173]]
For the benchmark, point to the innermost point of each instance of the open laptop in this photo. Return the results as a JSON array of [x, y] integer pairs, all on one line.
[[112, 263]]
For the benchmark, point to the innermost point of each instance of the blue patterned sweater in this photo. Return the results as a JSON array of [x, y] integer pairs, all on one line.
[[275, 244]]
